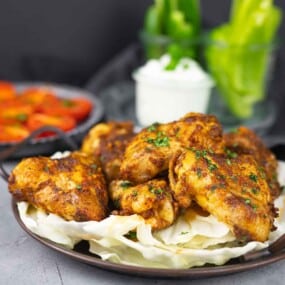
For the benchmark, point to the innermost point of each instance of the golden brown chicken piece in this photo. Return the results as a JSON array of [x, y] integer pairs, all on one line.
[[108, 141], [72, 187], [151, 200], [148, 154], [245, 141], [233, 190]]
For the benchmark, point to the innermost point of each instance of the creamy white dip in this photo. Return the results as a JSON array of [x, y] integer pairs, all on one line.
[[163, 95]]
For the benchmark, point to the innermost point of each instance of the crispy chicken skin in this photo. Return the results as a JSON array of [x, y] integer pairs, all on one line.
[[245, 141], [72, 187], [148, 154], [157, 173], [232, 189], [108, 141], [151, 200]]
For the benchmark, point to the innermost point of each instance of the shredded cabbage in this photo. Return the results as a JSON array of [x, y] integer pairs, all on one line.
[[185, 244]]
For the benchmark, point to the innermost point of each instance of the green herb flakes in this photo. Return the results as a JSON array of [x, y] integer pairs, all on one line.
[[135, 193], [253, 177], [78, 186], [212, 166], [153, 127], [228, 161], [230, 154], [199, 172], [247, 201], [126, 184], [255, 191], [156, 191], [161, 140]]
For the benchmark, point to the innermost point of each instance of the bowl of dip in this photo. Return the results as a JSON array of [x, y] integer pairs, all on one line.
[[163, 95]]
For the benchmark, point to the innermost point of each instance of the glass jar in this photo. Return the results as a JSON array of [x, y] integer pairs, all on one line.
[[243, 75]]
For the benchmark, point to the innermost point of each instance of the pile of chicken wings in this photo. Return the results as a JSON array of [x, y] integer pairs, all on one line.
[[158, 173]]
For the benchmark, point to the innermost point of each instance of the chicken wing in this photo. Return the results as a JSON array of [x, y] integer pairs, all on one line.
[[234, 190], [72, 187], [245, 141], [151, 200], [148, 154], [108, 141]]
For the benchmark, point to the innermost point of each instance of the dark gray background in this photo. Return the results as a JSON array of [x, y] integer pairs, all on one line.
[[67, 41]]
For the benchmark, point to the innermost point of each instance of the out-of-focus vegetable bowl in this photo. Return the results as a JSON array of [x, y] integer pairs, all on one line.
[[26, 107]]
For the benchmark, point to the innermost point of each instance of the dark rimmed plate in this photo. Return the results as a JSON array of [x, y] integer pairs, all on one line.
[[49, 145], [81, 253]]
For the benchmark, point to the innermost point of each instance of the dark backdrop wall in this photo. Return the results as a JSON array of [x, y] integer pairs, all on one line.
[[69, 40], [64, 40]]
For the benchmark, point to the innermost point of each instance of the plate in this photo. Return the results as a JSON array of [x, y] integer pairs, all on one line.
[[49, 145], [81, 254]]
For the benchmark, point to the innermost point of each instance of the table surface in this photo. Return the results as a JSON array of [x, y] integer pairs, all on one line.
[[23, 260]]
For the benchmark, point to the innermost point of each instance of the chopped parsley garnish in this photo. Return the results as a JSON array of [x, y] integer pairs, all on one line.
[[153, 127], [247, 201], [262, 172], [199, 172], [255, 191], [78, 187], [134, 193], [253, 177], [203, 154], [228, 161], [161, 140], [217, 186], [200, 153], [212, 166], [156, 191], [254, 207], [126, 184], [184, 233], [230, 154]]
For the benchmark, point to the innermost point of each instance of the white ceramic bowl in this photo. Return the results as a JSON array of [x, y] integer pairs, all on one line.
[[170, 95]]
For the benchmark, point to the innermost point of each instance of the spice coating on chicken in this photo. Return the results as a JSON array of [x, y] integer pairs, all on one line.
[[151, 200], [148, 154], [108, 141], [233, 190], [73, 187], [245, 141]]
